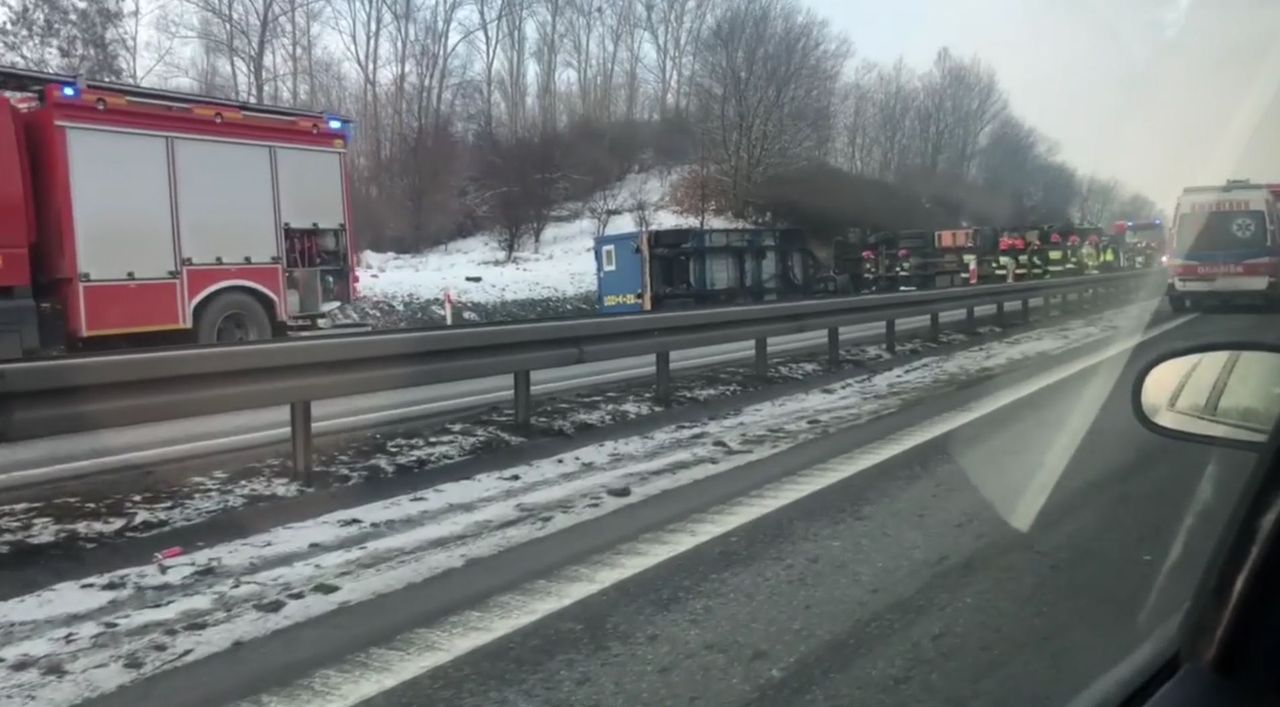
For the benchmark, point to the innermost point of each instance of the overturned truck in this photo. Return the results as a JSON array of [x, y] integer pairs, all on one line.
[[691, 267]]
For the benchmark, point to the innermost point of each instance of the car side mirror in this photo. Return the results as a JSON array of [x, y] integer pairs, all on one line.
[[1223, 395]]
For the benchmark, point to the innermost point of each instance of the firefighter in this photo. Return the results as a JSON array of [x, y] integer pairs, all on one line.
[[1021, 258], [1089, 253], [871, 270], [1035, 259], [1073, 253], [1006, 259], [1110, 255]]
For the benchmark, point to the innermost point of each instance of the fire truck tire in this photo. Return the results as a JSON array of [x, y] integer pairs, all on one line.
[[230, 317], [1177, 304]]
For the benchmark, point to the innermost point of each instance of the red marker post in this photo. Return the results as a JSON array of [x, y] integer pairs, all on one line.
[[168, 554]]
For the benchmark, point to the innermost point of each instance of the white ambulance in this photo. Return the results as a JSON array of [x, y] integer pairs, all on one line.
[[1222, 245]]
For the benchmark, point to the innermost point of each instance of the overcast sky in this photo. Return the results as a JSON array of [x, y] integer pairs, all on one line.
[[1158, 93]]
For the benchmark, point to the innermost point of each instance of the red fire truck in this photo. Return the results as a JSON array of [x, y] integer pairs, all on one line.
[[133, 215]]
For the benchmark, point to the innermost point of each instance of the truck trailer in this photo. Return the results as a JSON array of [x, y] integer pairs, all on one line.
[[681, 268], [133, 215]]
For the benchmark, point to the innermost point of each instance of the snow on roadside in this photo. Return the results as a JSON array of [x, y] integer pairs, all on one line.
[[93, 517], [29, 526], [563, 267], [87, 520], [82, 638]]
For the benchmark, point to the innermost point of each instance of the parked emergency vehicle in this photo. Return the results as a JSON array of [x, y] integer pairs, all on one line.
[[1140, 242], [127, 211], [1222, 245]]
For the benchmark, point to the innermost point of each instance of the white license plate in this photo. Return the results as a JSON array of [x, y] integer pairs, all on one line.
[[1235, 283]]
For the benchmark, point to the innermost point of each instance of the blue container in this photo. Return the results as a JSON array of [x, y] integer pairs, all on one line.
[[621, 277]]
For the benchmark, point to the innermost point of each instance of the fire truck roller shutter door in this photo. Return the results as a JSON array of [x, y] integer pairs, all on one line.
[[225, 206], [310, 187], [120, 205]]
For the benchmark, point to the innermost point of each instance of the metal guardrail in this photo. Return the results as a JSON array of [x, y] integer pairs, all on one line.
[[61, 396]]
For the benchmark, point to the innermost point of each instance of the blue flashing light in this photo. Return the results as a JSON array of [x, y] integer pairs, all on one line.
[[335, 124], [1157, 222], [70, 91]]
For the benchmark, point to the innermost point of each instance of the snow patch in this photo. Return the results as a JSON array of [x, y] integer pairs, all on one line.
[[564, 265]]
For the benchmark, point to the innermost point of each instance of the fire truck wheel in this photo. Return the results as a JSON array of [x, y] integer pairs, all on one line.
[[1177, 304], [231, 317]]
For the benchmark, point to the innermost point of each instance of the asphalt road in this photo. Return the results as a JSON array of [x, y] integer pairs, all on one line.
[[68, 456], [1010, 561], [905, 585]]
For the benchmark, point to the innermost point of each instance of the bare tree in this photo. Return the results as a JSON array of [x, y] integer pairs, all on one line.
[[641, 208], [488, 40], [241, 33], [512, 221], [857, 108], [765, 89], [583, 35], [1053, 188], [1011, 154], [1098, 199], [360, 26], [894, 98], [975, 101], [147, 37], [696, 192], [603, 205], [546, 192], [662, 21], [72, 36], [1135, 207], [933, 120], [627, 16], [514, 86], [548, 22]]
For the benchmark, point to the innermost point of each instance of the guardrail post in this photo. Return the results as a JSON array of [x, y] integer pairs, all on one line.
[[762, 357], [662, 388], [300, 431], [833, 347], [1048, 305], [999, 313], [970, 318], [890, 338], [935, 326], [524, 399], [1026, 311]]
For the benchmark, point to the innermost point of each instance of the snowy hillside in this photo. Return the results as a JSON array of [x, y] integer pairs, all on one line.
[[563, 267]]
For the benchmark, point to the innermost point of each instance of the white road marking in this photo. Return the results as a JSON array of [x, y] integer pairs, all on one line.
[[424, 649]]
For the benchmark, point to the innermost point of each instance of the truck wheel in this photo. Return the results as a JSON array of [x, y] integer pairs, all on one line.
[[1177, 304], [232, 317]]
